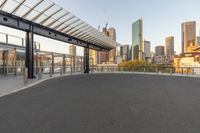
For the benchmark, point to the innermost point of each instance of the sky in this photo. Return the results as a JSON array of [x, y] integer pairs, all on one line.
[[161, 18]]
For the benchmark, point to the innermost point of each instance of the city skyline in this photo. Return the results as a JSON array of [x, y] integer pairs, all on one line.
[[159, 21]]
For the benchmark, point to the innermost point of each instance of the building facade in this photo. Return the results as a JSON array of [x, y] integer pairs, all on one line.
[[137, 40], [124, 52], [159, 51], [198, 40], [169, 46], [188, 35], [72, 50], [112, 53], [147, 50]]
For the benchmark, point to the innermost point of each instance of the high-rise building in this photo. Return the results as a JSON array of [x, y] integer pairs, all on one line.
[[124, 52], [147, 49], [159, 50], [188, 35], [104, 55], [137, 40], [198, 40], [112, 53], [94, 56], [136, 52], [112, 33], [169, 46], [72, 50]]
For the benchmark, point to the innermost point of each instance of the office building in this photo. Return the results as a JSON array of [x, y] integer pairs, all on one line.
[[112, 53], [124, 52], [198, 40], [72, 50], [94, 56], [159, 50], [169, 46], [137, 40], [147, 50], [188, 35]]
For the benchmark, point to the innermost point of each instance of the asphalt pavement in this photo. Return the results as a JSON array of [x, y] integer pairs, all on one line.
[[104, 103]]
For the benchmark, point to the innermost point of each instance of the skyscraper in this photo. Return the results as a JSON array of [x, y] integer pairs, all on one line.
[[137, 40], [112, 53], [198, 40], [94, 55], [159, 51], [147, 49], [72, 50], [169, 46], [188, 35], [104, 55], [124, 52]]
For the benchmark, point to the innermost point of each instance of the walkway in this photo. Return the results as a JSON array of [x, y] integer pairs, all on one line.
[[104, 103]]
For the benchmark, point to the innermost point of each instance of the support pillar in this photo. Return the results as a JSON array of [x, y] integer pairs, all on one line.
[[29, 63], [74, 63], [52, 64], [64, 64], [86, 60]]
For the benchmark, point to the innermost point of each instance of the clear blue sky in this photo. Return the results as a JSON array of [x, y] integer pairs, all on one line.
[[161, 17]]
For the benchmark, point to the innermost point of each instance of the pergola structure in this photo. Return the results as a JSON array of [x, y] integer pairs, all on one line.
[[45, 18]]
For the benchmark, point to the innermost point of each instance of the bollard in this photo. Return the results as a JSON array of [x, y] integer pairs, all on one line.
[[25, 76], [15, 71], [50, 72], [157, 70], [71, 70], [39, 73], [171, 71], [61, 72]]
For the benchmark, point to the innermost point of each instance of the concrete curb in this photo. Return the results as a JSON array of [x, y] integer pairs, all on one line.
[[141, 73], [33, 84]]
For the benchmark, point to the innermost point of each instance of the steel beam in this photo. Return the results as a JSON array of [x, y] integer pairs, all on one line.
[[29, 62], [19, 23], [86, 60]]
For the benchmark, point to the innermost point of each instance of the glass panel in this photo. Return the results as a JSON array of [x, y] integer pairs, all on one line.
[[21, 11], [48, 21], [41, 18], [31, 3], [45, 4], [55, 24], [59, 14], [10, 5], [2, 38], [52, 10], [32, 15]]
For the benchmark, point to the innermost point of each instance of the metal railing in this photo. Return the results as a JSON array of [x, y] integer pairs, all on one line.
[[185, 71]]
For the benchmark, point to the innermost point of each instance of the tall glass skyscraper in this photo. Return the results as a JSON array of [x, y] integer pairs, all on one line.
[[188, 35], [137, 40]]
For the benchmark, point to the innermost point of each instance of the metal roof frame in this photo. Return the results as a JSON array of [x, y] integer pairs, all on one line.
[[51, 19]]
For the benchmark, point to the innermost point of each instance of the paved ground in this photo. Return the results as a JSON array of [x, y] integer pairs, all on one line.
[[105, 103], [11, 83]]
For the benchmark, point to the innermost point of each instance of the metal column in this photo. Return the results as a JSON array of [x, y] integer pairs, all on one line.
[[52, 63], [86, 60], [64, 64], [29, 63]]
